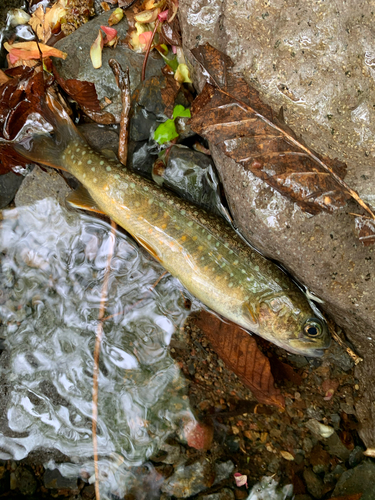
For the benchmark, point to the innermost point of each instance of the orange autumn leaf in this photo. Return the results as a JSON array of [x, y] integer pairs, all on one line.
[[29, 50]]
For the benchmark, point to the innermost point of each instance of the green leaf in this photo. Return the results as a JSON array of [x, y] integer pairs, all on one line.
[[179, 110], [167, 131]]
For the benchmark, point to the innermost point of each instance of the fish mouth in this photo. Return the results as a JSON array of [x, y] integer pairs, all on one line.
[[303, 348]]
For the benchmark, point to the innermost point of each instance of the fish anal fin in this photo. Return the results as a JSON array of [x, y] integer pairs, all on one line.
[[147, 247], [81, 198]]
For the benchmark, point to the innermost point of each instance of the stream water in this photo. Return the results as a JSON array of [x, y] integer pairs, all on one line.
[[52, 266]]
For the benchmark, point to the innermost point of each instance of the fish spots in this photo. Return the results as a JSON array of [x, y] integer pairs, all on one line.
[[165, 215], [108, 168], [63, 157], [223, 264], [182, 212], [243, 271], [202, 258], [132, 185], [106, 187], [150, 202], [230, 252], [137, 204], [116, 176], [209, 237], [79, 163], [256, 268], [72, 157], [95, 180], [217, 244], [164, 226], [83, 153], [235, 262], [101, 162], [195, 238], [84, 176], [200, 248], [93, 169], [145, 188], [89, 162], [190, 223], [230, 284], [183, 238], [78, 150]]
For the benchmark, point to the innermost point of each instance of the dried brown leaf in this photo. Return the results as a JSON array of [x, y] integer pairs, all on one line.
[[240, 353], [9, 159], [84, 93], [171, 32], [365, 229], [230, 114]]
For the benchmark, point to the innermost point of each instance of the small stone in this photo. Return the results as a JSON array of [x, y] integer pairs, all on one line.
[[198, 435], [53, 479], [335, 447], [25, 481], [313, 483], [188, 481], [223, 470], [319, 429], [356, 456], [224, 494], [361, 479], [39, 185], [9, 184]]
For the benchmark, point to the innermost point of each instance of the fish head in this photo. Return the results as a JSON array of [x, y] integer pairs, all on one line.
[[291, 323]]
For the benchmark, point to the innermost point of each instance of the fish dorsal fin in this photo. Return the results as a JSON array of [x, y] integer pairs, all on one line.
[[81, 198], [147, 247]]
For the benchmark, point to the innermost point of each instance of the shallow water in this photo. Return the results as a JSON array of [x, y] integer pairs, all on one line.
[[52, 266]]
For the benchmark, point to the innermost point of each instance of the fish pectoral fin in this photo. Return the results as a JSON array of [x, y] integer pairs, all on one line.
[[147, 247], [251, 310], [81, 198]]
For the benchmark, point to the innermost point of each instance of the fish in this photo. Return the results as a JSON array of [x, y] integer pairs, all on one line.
[[200, 249]]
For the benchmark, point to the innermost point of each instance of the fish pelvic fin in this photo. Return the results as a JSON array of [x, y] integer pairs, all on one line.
[[81, 198], [48, 148]]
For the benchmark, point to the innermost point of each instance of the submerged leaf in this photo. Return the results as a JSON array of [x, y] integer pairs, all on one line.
[[230, 114], [240, 353], [182, 74]]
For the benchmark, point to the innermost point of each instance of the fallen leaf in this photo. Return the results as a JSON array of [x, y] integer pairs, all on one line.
[[9, 159], [182, 74], [230, 114], [365, 229], [111, 34], [116, 16], [29, 50], [240, 353], [48, 22], [286, 455], [171, 32], [96, 51], [3, 77]]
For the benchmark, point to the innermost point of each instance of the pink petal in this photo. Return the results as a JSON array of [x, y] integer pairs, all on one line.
[[145, 37], [110, 32], [241, 479], [174, 49], [163, 16]]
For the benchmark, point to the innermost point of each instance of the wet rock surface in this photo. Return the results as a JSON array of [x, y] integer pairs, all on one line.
[[9, 184], [320, 70], [78, 63]]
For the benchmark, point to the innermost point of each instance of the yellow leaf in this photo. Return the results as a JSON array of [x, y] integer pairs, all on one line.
[[96, 51]]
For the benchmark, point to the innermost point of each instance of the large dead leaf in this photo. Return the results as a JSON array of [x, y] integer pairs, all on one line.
[[48, 22], [230, 114], [240, 353], [25, 51]]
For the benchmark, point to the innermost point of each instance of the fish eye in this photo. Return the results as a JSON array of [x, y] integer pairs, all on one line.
[[313, 328]]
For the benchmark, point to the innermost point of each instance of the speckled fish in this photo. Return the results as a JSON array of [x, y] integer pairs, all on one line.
[[199, 249]]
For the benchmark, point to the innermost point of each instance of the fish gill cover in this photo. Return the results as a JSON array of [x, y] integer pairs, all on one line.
[[53, 262]]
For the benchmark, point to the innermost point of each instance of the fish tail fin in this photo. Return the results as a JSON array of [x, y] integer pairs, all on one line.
[[45, 148]]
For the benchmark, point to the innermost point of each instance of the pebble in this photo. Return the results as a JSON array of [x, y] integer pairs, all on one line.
[[335, 447], [361, 479], [313, 483], [9, 184], [356, 456], [189, 480], [25, 481], [52, 479], [224, 494], [319, 429]]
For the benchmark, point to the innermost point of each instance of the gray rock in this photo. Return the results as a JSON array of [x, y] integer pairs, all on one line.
[[78, 63], [224, 494], [320, 69], [361, 479], [223, 470], [53, 480], [356, 456], [335, 447], [100, 137], [39, 184], [25, 481], [188, 481], [313, 483], [9, 184]]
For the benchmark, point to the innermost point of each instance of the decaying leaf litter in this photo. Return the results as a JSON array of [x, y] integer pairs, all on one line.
[[323, 191]]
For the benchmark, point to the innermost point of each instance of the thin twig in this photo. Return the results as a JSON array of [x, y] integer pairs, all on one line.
[[98, 340], [148, 50], [123, 83], [357, 359]]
